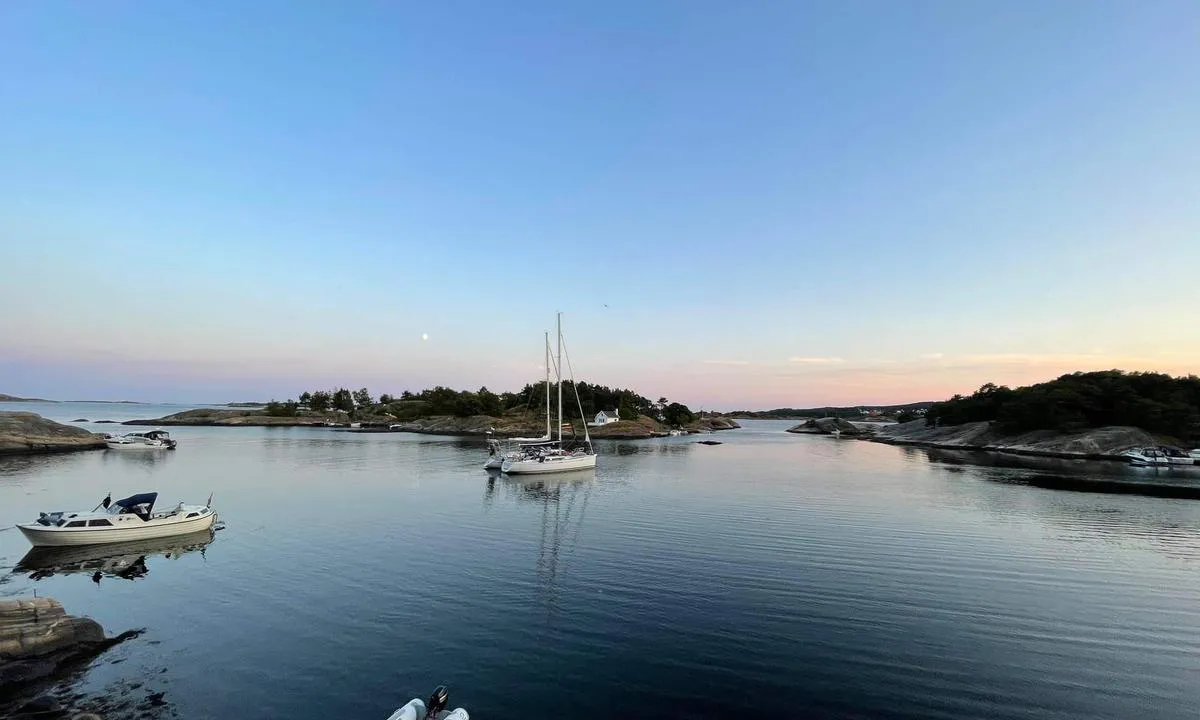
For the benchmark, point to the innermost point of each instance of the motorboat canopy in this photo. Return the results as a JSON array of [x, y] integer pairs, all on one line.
[[128, 504]]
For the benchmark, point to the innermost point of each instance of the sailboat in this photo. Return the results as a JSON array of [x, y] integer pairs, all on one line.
[[553, 456], [500, 450]]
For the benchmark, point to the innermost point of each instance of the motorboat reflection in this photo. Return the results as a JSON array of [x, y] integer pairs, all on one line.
[[120, 560]]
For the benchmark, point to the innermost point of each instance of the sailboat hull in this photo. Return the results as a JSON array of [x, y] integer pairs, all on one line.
[[549, 464]]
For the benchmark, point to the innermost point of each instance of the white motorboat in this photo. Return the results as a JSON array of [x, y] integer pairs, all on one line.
[[434, 709], [153, 440], [546, 456], [1160, 456], [131, 518]]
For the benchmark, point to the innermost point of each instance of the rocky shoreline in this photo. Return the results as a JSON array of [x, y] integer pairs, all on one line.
[[476, 425], [207, 417], [1106, 443], [25, 432]]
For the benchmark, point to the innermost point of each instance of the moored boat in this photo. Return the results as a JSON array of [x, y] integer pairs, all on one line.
[[152, 440], [550, 460], [546, 456], [1161, 456], [127, 519]]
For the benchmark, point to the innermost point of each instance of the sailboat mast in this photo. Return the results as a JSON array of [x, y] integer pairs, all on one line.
[[548, 435], [559, 366]]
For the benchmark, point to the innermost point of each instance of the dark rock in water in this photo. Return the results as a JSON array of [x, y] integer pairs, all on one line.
[[106, 422], [81, 420], [708, 442]]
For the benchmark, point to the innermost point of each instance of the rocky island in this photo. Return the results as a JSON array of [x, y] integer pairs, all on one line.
[[1104, 443], [26, 432], [1096, 415], [443, 411]]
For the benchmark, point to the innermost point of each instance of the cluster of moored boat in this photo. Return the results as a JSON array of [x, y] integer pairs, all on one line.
[[1162, 456]]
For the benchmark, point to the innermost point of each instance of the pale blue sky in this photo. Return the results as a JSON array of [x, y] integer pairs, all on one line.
[[780, 203]]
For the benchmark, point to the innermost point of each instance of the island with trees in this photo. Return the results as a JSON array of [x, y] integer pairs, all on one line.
[[1081, 415], [445, 411]]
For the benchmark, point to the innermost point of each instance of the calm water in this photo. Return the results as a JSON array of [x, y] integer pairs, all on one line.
[[796, 576]]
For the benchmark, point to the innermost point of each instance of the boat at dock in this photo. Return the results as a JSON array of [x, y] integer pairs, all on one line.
[[546, 455], [152, 440], [127, 519]]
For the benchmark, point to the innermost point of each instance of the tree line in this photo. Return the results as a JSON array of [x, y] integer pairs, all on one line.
[[1155, 402], [442, 400]]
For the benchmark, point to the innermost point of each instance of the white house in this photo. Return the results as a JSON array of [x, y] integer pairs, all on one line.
[[605, 417]]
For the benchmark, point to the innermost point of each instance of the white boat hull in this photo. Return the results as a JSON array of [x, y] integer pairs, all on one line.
[[549, 464], [42, 536], [116, 445]]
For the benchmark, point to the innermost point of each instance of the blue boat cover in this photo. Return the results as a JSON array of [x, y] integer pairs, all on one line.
[[139, 499]]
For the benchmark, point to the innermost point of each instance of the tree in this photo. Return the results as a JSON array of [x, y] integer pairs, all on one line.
[[489, 402], [319, 401], [906, 416], [343, 400], [284, 409], [406, 395], [386, 399], [306, 398], [678, 414], [362, 398]]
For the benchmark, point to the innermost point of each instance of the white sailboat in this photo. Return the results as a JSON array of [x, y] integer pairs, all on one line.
[[552, 457], [500, 450]]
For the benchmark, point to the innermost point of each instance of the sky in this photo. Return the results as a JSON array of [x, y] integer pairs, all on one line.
[[735, 205]]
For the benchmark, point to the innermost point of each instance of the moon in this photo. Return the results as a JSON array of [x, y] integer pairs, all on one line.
[[424, 336]]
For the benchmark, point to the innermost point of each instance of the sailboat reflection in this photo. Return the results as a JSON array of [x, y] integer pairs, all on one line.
[[120, 560], [563, 500]]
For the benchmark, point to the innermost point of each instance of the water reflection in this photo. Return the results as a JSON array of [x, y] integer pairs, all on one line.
[[118, 560], [34, 464], [1101, 476], [563, 499], [144, 459]]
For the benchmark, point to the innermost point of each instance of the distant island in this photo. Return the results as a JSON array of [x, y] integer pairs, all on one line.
[[1092, 414], [852, 412], [14, 398], [608, 412]]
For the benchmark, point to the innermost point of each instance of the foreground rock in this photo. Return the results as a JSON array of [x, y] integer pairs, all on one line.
[[37, 638], [26, 432], [1105, 443], [826, 426]]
